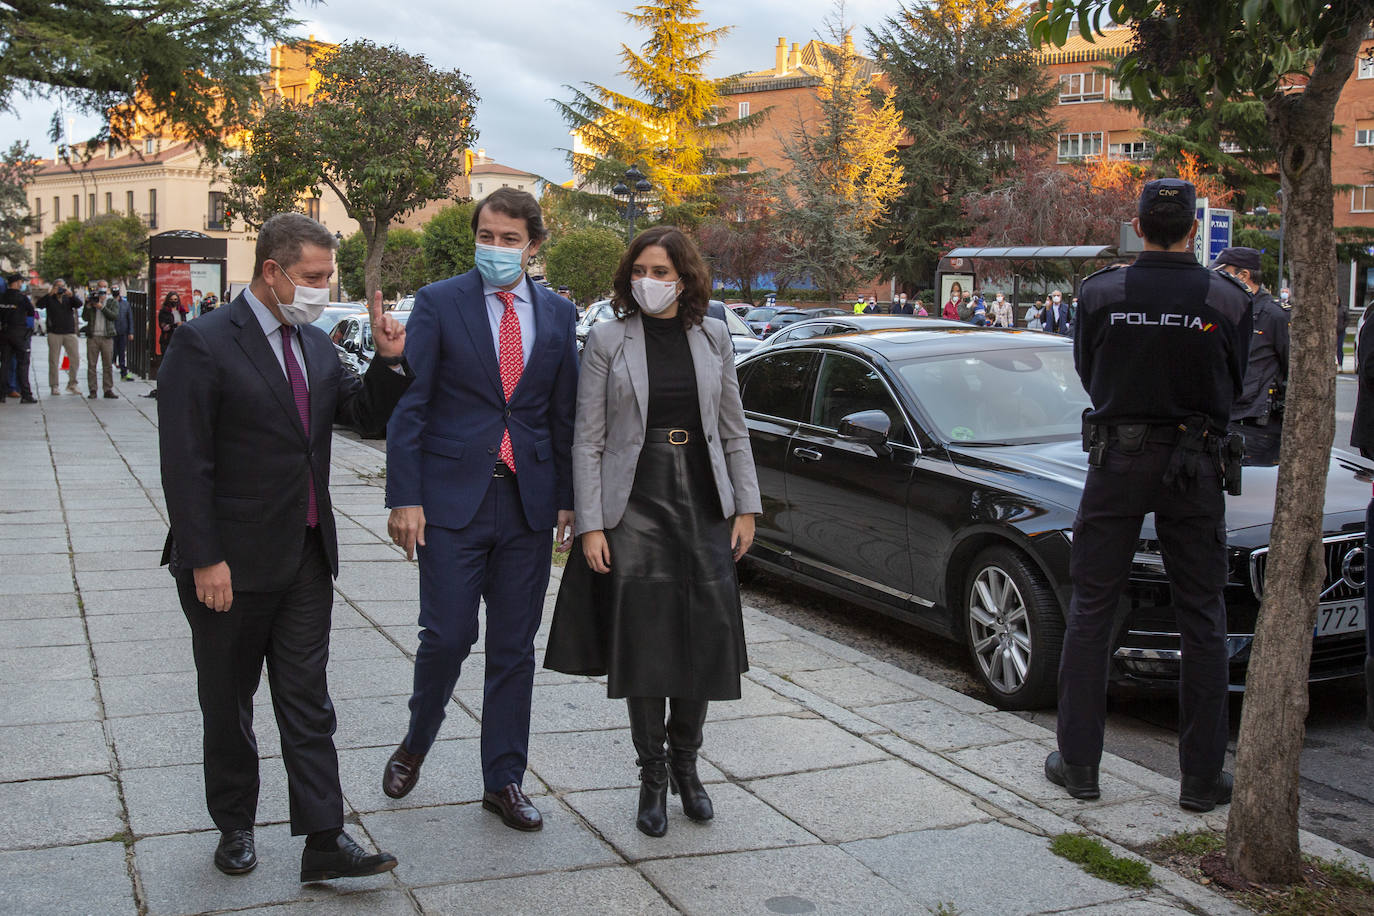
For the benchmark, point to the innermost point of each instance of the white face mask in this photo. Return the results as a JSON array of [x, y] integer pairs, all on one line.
[[1056, 300], [307, 303], [654, 296], [1284, 295]]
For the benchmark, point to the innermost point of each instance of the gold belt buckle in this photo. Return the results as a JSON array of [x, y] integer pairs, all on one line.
[[673, 436]]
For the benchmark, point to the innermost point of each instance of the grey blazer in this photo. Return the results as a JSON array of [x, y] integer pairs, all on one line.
[[612, 410]]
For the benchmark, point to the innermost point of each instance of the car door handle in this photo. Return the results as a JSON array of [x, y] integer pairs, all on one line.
[[807, 454]]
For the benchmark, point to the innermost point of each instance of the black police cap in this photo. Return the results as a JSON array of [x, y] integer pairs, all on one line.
[[1167, 192], [1244, 258]]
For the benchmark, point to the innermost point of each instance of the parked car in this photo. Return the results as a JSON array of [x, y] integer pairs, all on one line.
[[352, 338], [848, 323], [934, 475], [766, 319], [743, 339], [404, 304], [333, 312], [739, 308]]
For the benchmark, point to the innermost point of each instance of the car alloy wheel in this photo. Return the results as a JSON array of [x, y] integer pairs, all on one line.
[[1014, 629]]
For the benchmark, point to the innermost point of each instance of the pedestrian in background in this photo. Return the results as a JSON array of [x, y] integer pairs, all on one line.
[[1162, 392], [167, 320], [100, 314], [950, 310], [124, 334], [1002, 315], [666, 496], [61, 307], [1257, 414], [1034, 322], [16, 329]]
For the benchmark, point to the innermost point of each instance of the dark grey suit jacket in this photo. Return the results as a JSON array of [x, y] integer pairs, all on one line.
[[235, 458]]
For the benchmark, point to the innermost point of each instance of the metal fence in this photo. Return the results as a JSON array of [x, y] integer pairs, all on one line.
[[141, 350]]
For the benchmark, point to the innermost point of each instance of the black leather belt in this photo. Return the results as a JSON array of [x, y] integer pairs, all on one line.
[[671, 436], [501, 470], [1167, 435]]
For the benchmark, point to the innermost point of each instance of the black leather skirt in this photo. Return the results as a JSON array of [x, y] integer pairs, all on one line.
[[665, 621]]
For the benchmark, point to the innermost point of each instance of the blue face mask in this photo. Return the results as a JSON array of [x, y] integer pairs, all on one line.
[[499, 266]]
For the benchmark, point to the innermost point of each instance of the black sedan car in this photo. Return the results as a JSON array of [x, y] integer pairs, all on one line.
[[743, 339], [934, 475]]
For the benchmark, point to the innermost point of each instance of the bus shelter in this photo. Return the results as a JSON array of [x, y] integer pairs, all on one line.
[[961, 265], [181, 261]]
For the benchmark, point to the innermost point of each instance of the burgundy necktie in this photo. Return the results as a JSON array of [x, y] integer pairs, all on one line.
[[512, 357], [301, 393]]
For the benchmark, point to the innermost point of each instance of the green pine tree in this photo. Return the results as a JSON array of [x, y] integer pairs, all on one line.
[[971, 95], [672, 127]]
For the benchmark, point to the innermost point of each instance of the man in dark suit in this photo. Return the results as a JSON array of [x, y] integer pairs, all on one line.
[[1057, 318], [247, 400], [479, 471]]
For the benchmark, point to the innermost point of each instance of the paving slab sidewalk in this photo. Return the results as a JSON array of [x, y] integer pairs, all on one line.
[[841, 784]]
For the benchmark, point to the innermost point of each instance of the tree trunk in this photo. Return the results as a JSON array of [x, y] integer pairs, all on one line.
[[1262, 831], [374, 234]]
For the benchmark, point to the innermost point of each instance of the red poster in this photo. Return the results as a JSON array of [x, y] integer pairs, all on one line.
[[170, 277]]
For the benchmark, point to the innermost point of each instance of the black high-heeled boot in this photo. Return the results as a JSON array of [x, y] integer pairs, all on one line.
[[684, 740], [649, 735]]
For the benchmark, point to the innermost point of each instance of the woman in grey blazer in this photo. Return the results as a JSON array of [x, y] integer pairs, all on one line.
[[665, 497]]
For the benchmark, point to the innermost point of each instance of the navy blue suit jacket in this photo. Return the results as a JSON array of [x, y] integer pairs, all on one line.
[[442, 441]]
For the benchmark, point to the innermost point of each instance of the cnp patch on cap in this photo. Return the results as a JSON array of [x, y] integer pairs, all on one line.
[[1163, 192]]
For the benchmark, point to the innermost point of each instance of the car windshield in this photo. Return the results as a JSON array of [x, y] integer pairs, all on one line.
[[1000, 397], [736, 324], [762, 313]]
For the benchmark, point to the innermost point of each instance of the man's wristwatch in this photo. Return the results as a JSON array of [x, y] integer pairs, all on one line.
[[390, 360]]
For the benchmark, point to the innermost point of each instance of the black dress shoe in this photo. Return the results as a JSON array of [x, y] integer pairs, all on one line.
[[1197, 793], [346, 860], [1080, 781], [235, 854], [402, 772], [515, 808]]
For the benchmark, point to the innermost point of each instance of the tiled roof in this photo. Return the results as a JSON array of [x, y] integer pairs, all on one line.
[[1108, 46], [496, 168], [121, 161]]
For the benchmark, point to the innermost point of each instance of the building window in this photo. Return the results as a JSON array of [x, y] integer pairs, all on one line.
[[1076, 146], [1082, 87], [149, 146], [129, 202], [1133, 150], [1121, 93], [479, 187], [90, 205], [215, 217], [56, 209], [152, 208], [312, 208], [744, 109], [1362, 199], [1003, 149], [109, 202], [37, 215], [76, 206], [1366, 68]]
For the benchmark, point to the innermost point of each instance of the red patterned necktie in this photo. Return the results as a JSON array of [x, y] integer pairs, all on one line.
[[301, 393], [511, 354]]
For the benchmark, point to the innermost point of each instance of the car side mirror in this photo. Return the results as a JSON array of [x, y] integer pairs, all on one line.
[[869, 427]]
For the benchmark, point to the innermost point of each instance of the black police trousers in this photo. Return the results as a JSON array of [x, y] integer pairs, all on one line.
[[1192, 535], [1261, 442]]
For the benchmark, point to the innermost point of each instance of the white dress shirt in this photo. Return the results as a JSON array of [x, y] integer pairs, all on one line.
[[524, 311], [272, 328]]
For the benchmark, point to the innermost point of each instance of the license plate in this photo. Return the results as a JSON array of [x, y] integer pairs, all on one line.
[[1335, 618]]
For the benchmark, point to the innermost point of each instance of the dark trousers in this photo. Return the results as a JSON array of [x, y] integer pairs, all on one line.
[[1261, 442], [499, 558], [289, 629], [121, 353], [1369, 631], [1192, 534], [14, 357]]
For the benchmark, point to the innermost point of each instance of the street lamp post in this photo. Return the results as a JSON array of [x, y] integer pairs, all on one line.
[[633, 185]]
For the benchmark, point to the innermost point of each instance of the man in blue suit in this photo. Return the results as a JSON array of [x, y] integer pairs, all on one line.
[[479, 473]]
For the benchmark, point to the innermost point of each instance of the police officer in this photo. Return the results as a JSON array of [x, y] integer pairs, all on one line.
[[1161, 347], [1257, 414], [16, 327]]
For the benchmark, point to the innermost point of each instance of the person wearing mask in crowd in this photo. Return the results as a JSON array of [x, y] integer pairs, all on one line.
[[918, 309], [860, 305], [956, 298], [124, 334], [1034, 313], [100, 315], [1057, 319], [196, 299], [167, 320], [871, 308], [1162, 388], [16, 330], [183, 311], [978, 314], [61, 309], [248, 399], [1257, 414], [666, 495], [903, 307], [1285, 299], [1002, 315], [479, 474]]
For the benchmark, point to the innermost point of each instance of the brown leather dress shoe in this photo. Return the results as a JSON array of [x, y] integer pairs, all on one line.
[[515, 808], [402, 772]]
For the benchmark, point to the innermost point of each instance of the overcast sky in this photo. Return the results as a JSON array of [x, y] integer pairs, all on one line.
[[518, 54]]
